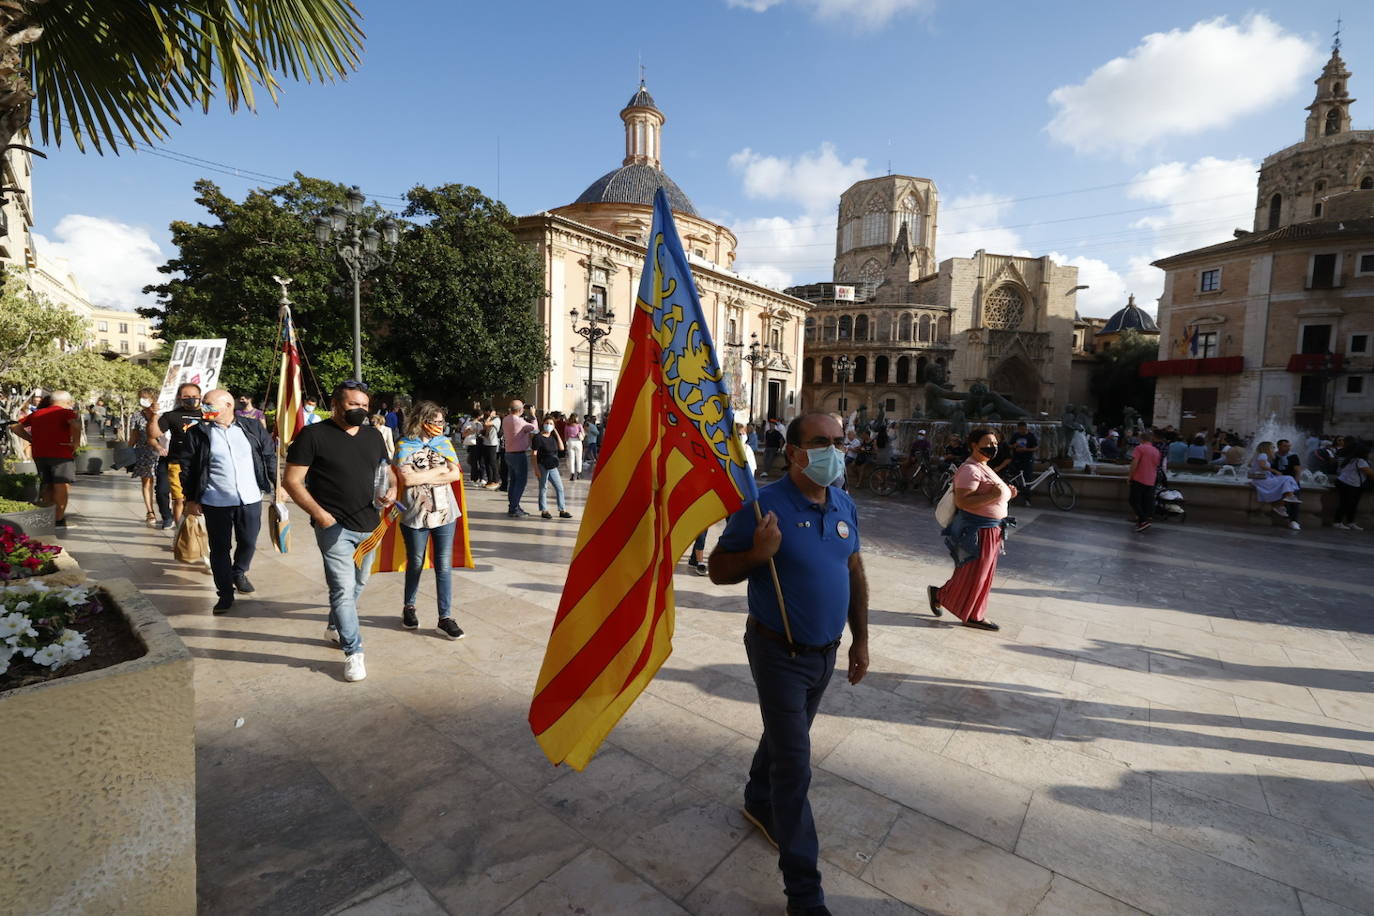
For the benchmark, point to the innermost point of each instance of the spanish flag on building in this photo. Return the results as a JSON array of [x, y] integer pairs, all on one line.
[[670, 466]]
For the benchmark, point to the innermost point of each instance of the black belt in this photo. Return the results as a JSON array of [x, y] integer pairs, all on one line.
[[795, 648]]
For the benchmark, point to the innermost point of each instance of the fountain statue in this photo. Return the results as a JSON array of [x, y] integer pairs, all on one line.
[[987, 404], [1080, 453], [1130, 419], [942, 402]]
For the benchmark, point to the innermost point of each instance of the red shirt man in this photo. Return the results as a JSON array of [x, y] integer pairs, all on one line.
[[50, 429], [55, 433]]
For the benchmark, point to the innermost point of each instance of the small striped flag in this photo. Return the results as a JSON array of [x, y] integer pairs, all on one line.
[[388, 547], [670, 466]]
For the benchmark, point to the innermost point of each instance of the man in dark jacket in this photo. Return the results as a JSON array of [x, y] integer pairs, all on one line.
[[230, 462]]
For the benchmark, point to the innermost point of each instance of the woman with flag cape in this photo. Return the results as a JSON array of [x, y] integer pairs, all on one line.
[[428, 527]]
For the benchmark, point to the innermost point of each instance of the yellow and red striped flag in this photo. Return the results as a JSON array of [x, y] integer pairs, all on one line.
[[670, 466], [388, 547]]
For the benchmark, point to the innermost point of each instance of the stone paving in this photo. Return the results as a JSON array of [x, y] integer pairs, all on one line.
[[1176, 723]]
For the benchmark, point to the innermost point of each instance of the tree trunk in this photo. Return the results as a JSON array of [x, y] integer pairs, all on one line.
[[17, 29]]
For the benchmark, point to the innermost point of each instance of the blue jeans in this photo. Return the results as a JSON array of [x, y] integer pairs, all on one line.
[[518, 471], [790, 691], [550, 475], [417, 541], [233, 535], [345, 581]]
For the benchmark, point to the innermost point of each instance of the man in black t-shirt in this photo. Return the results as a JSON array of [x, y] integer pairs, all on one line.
[[337, 472], [1023, 446], [185, 414]]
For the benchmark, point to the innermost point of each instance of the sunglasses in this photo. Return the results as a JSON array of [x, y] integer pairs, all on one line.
[[355, 385]]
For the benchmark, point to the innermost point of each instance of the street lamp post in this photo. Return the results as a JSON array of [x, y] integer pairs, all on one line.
[[592, 331], [844, 369], [361, 249], [758, 355]]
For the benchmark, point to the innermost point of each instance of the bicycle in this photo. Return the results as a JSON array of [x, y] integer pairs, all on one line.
[[887, 479], [1061, 491]]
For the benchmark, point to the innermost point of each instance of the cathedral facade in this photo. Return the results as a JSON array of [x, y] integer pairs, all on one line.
[[896, 327], [593, 251]]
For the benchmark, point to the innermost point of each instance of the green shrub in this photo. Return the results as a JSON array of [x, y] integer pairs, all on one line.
[[18, 486], [14, 505]]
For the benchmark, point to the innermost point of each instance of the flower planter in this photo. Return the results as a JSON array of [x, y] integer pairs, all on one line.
[[35, 522], [68, 572], [99, 775]]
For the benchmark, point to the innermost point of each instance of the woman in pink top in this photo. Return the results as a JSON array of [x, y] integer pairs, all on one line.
[[1144, 470], [974, 537], [572, 438]]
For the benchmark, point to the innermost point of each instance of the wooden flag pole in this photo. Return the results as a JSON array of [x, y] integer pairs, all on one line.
[[777, 586]]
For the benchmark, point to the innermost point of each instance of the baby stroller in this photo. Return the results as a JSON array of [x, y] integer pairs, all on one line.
[[1169, 504]]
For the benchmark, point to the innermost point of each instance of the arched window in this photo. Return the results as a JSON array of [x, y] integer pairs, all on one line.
[[871, 274], [903, 370], [808, 370], [861, 370], [884, 326], [846, 327], [810, 330], [828, 332], [920, 370], [904, 326], [850, 236], [1333, 122], [923, 330], [874, 230], [1367, 183], [732, 331], [827, 371], [911, 217], [861, 327], [775, 338], [1275, 206], [1003, 309], [942, 329], [880, 370]]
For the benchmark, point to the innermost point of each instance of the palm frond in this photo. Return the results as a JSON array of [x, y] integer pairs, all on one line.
[[118, 72]]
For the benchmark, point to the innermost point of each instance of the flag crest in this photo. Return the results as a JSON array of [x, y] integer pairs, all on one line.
[[670, 466]]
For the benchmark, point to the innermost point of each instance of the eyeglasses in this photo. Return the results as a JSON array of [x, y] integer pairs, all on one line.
[[355, 385]]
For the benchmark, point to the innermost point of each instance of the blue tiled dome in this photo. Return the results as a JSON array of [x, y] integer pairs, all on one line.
[[1130, 318], [642, 99], [636, 184]]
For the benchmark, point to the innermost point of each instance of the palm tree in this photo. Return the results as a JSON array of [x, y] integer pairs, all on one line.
[[112, 72]]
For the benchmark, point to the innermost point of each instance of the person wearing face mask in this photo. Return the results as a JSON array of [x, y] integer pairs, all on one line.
[[427, 464], [545, 446], [810, 530], [175, 423], [148, 451], [974, 537], [332, 474], [230, 462], [244, 409]]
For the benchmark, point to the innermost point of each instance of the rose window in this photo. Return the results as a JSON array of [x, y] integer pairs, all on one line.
[[1003, 309]]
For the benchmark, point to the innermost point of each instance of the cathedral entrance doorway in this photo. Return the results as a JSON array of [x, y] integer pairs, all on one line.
[[1017, 381]]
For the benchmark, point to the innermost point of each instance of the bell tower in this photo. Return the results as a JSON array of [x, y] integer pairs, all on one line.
[[1329, 113], [643, 130]]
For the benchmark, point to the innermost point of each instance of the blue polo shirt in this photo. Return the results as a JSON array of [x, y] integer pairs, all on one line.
[[813, 560]]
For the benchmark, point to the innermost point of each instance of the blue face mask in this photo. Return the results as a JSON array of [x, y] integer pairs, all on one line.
[[824, 465]]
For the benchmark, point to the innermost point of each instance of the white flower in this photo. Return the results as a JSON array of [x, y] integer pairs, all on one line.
[[50, 656], [73, 645], [15, 625], [22, 606]]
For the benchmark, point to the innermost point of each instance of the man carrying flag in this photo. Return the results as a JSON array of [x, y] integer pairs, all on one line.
[[668, 468], [808, 544]]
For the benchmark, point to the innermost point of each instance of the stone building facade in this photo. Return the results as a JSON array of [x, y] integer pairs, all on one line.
[[1002, 320], [593, 253], [1280, 321]]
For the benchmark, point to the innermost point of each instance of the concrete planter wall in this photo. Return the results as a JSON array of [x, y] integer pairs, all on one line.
[[99, 778], [35, 522], [1211, 501]]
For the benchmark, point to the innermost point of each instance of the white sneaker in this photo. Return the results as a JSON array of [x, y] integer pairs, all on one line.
[[1353, 527], [1295, 526], [331, 635], [354, 670], [1341, 526]]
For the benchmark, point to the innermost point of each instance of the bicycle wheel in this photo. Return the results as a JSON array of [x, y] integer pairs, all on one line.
[[1061, 493], [883, 480], [933, 486]]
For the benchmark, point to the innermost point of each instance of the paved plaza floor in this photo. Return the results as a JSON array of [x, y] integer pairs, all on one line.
[[1181, 722]]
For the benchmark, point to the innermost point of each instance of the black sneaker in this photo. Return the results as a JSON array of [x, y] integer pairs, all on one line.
[[933, 596], [59, 523], [408, 618], [242, 584], [565, 515], [763, 820], [223, 605], [450, 628], [701, 569], [981, 624]]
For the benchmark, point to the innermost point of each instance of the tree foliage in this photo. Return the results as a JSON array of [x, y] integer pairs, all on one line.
[[115, 71], [452, 316], [1117, 381]]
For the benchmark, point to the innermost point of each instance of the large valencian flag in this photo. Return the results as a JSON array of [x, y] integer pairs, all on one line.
[[670, 466]]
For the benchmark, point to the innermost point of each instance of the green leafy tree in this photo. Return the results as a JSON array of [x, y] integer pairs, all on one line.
[[1117, 381], [32, 333], [108, 72], [460, 297]]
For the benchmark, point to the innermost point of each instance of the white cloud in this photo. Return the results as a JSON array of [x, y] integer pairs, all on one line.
[[973, 221], [780, 252], [861, 14], [1206, 200], [1107, 289], [814, 179], [1178, 83], [113, 261]]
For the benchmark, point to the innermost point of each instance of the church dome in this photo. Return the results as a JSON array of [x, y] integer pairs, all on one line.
[[642, 99], [635, 184], [1130, 318]]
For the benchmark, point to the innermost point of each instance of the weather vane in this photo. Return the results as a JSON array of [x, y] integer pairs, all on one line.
[[1336, 42]]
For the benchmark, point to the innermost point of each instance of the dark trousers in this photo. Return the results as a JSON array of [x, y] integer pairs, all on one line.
[[1348, 502], [162, 490], [1142, 501], [503, 469], [488, 457], [231, 530], [790, 691]]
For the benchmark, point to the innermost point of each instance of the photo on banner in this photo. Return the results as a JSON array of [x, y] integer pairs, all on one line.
[[194, 362]]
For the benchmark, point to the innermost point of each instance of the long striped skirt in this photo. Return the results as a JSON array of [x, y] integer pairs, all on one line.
[[965, 595]]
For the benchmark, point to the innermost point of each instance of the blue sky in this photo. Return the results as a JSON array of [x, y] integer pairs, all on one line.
[[1015, 109]]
